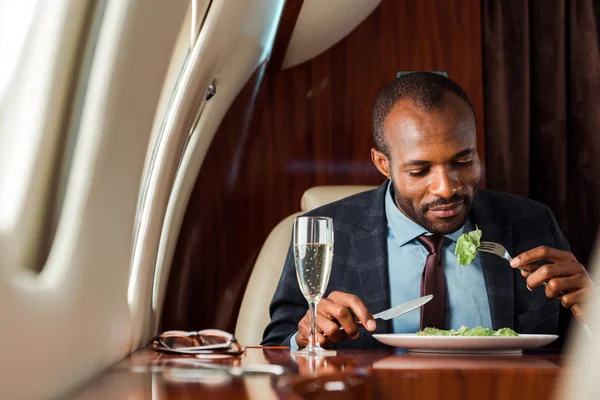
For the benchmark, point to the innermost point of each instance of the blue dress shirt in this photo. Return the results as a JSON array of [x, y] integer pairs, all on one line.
[[466, 295]]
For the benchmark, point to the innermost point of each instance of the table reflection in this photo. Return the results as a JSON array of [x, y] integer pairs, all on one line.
[[349, 374], [416, 361], [314, 366]]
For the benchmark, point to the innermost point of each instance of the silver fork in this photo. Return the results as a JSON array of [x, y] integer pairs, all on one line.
[[499, 250]]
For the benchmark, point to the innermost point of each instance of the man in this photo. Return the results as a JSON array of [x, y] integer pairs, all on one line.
[[396, 243]]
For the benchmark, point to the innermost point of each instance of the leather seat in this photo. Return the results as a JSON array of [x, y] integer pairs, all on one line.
[[254, 310]]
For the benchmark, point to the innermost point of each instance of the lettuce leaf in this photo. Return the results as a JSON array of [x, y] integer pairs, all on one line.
[[464, 331], [479, 331], [434, 332], [466, 246], [505, 332]]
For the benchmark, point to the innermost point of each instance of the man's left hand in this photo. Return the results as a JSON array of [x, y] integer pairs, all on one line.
[[563, 274]]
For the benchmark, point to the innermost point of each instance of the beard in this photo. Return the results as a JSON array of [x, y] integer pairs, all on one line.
[[419, 214]]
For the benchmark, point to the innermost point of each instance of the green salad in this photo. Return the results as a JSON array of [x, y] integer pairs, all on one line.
[[464, 331], [466, 246]]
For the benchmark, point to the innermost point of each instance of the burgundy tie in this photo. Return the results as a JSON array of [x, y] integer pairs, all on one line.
[[433, 282]]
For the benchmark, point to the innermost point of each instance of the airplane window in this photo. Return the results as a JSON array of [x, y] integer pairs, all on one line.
[[16, 21], [39, 54]]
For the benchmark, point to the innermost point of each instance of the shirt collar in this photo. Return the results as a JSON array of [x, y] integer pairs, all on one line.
[[403, 228]]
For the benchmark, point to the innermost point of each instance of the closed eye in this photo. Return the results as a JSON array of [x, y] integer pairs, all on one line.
[[418, 173], [463, 163]]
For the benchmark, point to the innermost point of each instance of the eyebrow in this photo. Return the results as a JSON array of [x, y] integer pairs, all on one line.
[[418, 163]]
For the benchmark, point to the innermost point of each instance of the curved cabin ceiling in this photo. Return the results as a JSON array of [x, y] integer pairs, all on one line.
[[321, 24]]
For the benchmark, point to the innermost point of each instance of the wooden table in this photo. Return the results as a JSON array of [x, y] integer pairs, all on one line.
[[369, 374]]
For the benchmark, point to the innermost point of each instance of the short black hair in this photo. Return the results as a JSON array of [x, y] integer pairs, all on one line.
[[425, 89]]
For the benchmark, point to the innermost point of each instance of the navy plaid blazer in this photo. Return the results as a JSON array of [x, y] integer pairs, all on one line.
[[360, 265]]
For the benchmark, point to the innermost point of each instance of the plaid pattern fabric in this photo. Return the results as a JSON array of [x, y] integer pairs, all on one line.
[[360, 265]]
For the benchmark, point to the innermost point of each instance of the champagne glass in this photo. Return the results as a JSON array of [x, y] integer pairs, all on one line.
[[313, 253]]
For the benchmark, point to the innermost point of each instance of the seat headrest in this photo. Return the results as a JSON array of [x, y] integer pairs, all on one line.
[[318, 196]]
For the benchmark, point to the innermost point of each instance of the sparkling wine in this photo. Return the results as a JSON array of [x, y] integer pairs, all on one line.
[[313, 266]]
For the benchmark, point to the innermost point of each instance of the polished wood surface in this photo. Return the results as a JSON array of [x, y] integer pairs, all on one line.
[[376, 374], [305, 126]]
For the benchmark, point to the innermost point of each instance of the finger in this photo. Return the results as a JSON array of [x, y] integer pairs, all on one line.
[[329, 325], [301, 341], [578, 298], [528, 269], [331, 329], [341, 314], [304, 333], [578, 312], [541, 253], [574, 298], [323, 340], [549, 271], [357, 307], [565, 284]]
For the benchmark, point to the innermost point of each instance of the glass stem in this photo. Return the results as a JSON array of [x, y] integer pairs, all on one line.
[[312, 340]]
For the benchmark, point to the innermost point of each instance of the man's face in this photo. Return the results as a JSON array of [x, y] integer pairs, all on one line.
[[433, 162]]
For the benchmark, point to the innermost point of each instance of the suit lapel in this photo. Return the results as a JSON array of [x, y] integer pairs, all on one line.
[[497, 273], [370, 254]]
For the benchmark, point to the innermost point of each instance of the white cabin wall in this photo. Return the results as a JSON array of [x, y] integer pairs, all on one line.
[[72, 320]]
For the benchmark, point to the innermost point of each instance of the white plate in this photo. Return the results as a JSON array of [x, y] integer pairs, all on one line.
[[464, 344]]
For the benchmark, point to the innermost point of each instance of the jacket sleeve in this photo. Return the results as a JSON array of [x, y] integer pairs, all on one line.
[[287, 308]]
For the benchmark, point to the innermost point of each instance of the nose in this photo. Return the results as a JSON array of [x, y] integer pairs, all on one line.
[[444, 183]]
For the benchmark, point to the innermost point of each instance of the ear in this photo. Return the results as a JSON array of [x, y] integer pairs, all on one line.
[[381, 162]]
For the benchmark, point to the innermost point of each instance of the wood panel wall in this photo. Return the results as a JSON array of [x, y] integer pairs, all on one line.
[[308, 125]]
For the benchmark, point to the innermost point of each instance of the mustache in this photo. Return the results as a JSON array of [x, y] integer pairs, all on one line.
[[442, 201]]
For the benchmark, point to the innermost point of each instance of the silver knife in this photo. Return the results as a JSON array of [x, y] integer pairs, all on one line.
[[400, 309], [403, 308]]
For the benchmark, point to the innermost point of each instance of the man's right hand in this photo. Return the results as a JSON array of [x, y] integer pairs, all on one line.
[[338, 309]]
